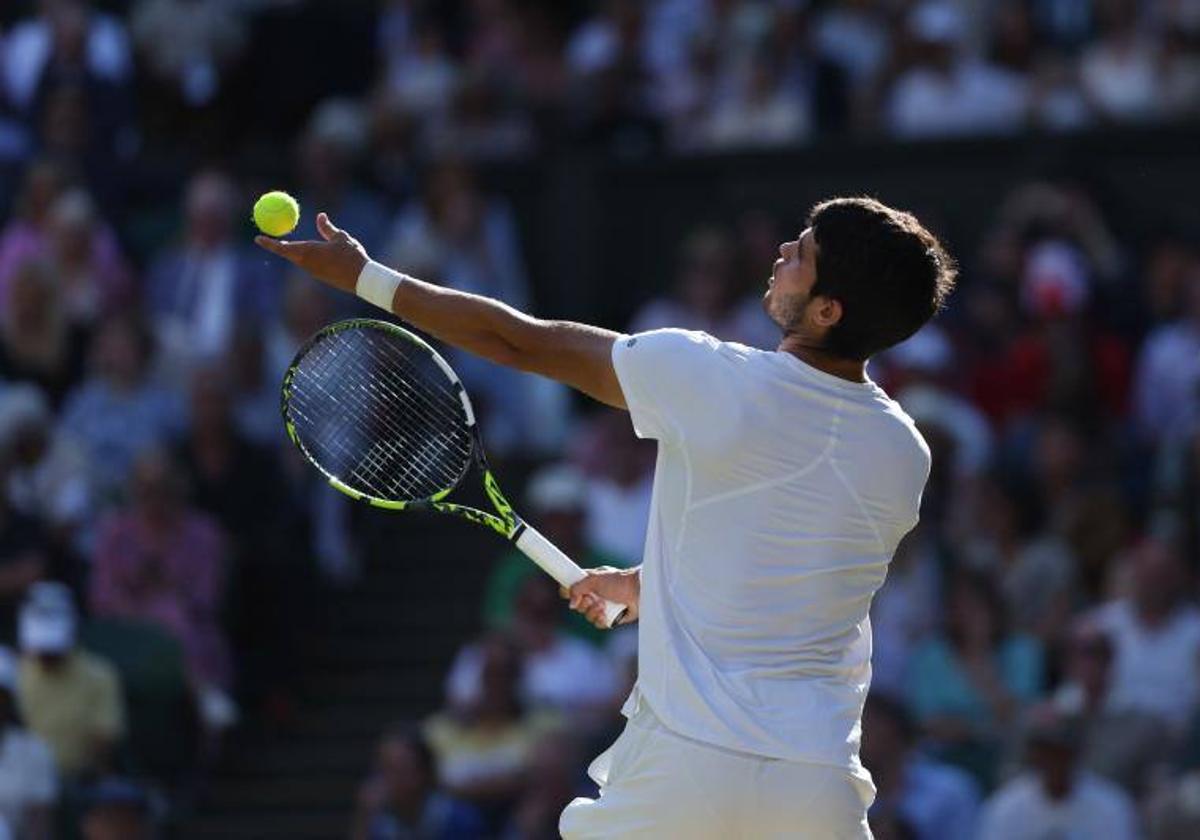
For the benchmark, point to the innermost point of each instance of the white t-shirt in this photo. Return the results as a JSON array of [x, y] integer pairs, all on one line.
[[1094, 808], [27, 776], [780, 495], [1156, 669]]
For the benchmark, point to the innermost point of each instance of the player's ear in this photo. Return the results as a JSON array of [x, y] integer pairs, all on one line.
[[826, 311]]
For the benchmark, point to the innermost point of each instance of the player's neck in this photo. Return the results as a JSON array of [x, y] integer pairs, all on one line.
[[851, 370]]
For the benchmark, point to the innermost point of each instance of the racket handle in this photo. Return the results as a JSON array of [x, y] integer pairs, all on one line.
[[560, 567]]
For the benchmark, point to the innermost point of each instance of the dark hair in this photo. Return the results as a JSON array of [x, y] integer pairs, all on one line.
[[890, 274], [413, 737], [980, 584]]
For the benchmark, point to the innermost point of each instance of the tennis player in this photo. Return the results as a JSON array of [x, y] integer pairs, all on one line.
[[783, 484]]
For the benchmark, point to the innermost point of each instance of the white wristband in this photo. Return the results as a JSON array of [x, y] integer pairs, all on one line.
[[377, 284]]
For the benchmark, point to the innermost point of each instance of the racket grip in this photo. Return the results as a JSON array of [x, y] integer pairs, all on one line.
[[560, 567]]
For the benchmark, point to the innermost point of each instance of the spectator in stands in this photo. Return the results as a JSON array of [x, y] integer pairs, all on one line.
[[188, 46], [1009, 538], [28, 781], [119, 410], [401, 799], [54, 34], [1177, 489], [117, 809], [556, 500], [37, 342], [69, 697], [198, 291], [160, 560], [1121, 70], [91, 274], [47, 473], [480, 124], [1167, 389], [69, 71], [24, 558], [937, 801], [968, 685], [706, 295], [550, 784], [484, 744], [764, 109], [947, 92], [560, 672], [1054, 797], [1125, 746], [1155, 633], [419, 71], [58, 224], [328, 155]]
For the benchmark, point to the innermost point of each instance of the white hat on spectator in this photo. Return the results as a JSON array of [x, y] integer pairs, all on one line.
[[937, 23], [46, 623], [1055, 281], [8, 668], [21, 405], [557, 488], [340, 122], [928, 350]]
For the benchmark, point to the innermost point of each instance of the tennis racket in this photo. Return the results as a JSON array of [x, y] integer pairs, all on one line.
[[388, 422]]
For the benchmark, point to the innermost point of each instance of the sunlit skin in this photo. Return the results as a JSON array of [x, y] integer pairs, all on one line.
[[804, 319]]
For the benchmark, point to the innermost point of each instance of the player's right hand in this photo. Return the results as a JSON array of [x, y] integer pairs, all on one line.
[[338, 260], [606, 583]]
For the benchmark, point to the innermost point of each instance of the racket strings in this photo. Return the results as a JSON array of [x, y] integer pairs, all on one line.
[[377, 463], [376, 412]]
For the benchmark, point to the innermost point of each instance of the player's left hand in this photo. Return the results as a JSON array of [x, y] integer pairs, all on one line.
[[336, 261]]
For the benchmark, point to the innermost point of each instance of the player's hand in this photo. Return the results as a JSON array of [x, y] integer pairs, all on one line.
[[338, 260], [605, 583]]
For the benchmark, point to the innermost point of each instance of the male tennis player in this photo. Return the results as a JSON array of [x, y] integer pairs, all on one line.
[[784, 482]]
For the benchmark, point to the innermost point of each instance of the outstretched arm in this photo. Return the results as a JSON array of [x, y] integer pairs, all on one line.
[[574, 354]]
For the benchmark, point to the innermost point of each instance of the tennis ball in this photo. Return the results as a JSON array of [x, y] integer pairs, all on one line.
[[276, 213]]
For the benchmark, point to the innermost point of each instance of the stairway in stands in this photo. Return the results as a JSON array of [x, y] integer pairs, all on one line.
[[378, 656]]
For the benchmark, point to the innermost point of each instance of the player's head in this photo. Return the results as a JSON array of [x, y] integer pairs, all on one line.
[[860, 278]]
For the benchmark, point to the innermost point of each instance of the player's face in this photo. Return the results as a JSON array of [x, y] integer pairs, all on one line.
[[792, 278]]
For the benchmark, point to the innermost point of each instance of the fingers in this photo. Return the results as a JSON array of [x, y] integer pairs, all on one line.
[[595, 613], [590, 607], [275, 246], [326, 228]]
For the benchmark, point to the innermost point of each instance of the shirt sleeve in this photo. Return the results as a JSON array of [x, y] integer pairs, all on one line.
[[40, 779], [670, 379]]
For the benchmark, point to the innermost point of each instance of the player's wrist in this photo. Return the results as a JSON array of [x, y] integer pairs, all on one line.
[[377, 284]]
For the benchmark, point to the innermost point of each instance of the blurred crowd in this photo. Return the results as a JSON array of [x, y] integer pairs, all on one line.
[[1037, 643]]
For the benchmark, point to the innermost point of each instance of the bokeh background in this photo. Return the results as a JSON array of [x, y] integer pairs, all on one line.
[[204, 641]]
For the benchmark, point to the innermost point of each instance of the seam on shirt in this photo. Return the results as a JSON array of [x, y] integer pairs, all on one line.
[[858, 501], [825, 452]]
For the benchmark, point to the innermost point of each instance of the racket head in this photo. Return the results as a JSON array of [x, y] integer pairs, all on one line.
[[380, 413]]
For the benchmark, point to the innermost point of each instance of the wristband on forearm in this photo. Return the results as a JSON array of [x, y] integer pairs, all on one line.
[[377, 284]]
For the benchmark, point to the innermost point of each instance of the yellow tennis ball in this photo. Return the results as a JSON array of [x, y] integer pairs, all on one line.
[[276, 213]]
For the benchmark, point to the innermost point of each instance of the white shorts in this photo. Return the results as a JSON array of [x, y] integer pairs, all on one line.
[[657, 784]]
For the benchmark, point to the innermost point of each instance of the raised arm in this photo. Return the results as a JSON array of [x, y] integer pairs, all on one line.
[[574, 354]]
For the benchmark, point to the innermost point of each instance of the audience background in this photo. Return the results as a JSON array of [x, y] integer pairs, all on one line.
[[1037, 643]]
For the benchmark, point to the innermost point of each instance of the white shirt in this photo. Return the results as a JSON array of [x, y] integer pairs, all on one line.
[[27, 776], [1094, 808], [1156, 669], [780, 495]]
